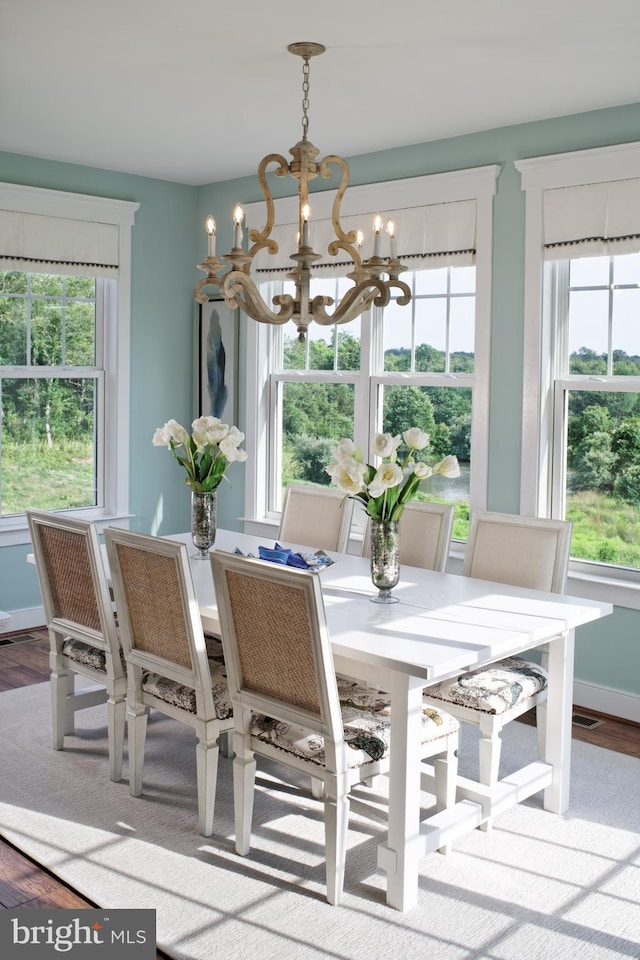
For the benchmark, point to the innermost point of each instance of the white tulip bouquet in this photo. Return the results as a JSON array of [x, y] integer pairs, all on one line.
[[385, 490], [206, 453]]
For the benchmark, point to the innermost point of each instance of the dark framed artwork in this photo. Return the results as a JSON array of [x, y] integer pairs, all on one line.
[[217, 354]]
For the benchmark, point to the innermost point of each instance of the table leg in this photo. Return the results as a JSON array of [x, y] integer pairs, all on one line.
[[559, 709], [401, 853]]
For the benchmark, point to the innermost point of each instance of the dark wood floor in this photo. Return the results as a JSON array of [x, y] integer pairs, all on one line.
[[24, 659]]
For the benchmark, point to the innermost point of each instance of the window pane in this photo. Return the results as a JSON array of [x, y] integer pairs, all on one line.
[[589, 272], [397, 337], [431, 335], [445, 414], [603, 476], [48, 448], [294, 353], [626, 332], [349, 345], [314, 416], [462, 335], [44, 284], [13, 331], [463, 280], [80, 334], [46, 333], [588, 331], [626, 269], [12, 282], [430, 281], [321, 348]]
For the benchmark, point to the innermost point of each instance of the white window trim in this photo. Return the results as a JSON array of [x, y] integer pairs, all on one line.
[[477, 184], [598, 165], [57, 203]]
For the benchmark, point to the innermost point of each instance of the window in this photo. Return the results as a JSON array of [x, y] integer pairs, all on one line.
[[596, 422], [582, 360], [425, 364], [52, 391], [64, 355]]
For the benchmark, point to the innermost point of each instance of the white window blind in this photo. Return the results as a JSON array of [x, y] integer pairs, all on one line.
[[433, 236], [47, 244], [592, 219]]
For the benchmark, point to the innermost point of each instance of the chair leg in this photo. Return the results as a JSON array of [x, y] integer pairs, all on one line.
[[490, 747], [317, 788], [70, 723], [207, 776], [59, 708], [137, 726], [336, 823], [541, 727], [225, 743], [116, 720], [445, 769], [244, 778]]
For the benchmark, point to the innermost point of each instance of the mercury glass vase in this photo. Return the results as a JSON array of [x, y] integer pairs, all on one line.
[[203, 522], [385, 559]]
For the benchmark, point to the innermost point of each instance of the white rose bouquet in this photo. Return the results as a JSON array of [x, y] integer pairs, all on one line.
[[206, 453], [385, 490]]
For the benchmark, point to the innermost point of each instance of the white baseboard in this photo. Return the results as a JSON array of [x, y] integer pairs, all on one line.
[[605, 700], [26, 619]]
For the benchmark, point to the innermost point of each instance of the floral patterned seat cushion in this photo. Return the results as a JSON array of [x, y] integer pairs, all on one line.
[[184, 697], [90, 656], [493, 689], [366, 717]]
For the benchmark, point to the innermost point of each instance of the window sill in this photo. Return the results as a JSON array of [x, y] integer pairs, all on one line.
[[16, 532], [616, 590]]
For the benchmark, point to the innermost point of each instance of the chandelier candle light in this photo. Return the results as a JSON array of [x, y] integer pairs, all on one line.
[[385, 491], [232, 278]]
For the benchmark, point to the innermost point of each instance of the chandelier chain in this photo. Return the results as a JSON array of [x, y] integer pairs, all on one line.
[[305, 98]]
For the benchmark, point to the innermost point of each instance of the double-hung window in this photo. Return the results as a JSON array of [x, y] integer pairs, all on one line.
[[425, 364], [581, 456], [64, 355]]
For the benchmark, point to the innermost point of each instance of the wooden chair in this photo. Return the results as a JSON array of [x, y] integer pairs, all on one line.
[[425, 534], [317, 517], [288, 706], [164, 646], [82, 629], [527, 552]]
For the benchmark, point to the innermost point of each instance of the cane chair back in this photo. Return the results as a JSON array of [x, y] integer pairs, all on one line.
[[82, 629], [166, 655]]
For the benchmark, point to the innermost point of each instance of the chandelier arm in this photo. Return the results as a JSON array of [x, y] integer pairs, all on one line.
[[239, 290], [210, 281], [354, 302], [326, 172], [259, 238]]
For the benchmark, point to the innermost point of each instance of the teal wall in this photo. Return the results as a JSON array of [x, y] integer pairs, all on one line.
[[168, 240]]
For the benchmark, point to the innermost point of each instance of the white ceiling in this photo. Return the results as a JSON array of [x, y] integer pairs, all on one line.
[[197, 91]]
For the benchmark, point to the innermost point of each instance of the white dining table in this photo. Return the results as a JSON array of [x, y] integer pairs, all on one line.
[[442, 625]]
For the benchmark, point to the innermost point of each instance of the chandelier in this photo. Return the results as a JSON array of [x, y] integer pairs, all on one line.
[[232, 275]]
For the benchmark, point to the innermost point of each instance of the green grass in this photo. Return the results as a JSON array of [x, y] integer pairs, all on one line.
[[47, 478], [605, 528]]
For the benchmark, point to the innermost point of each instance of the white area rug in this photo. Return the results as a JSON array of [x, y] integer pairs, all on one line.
[[538, 887]]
